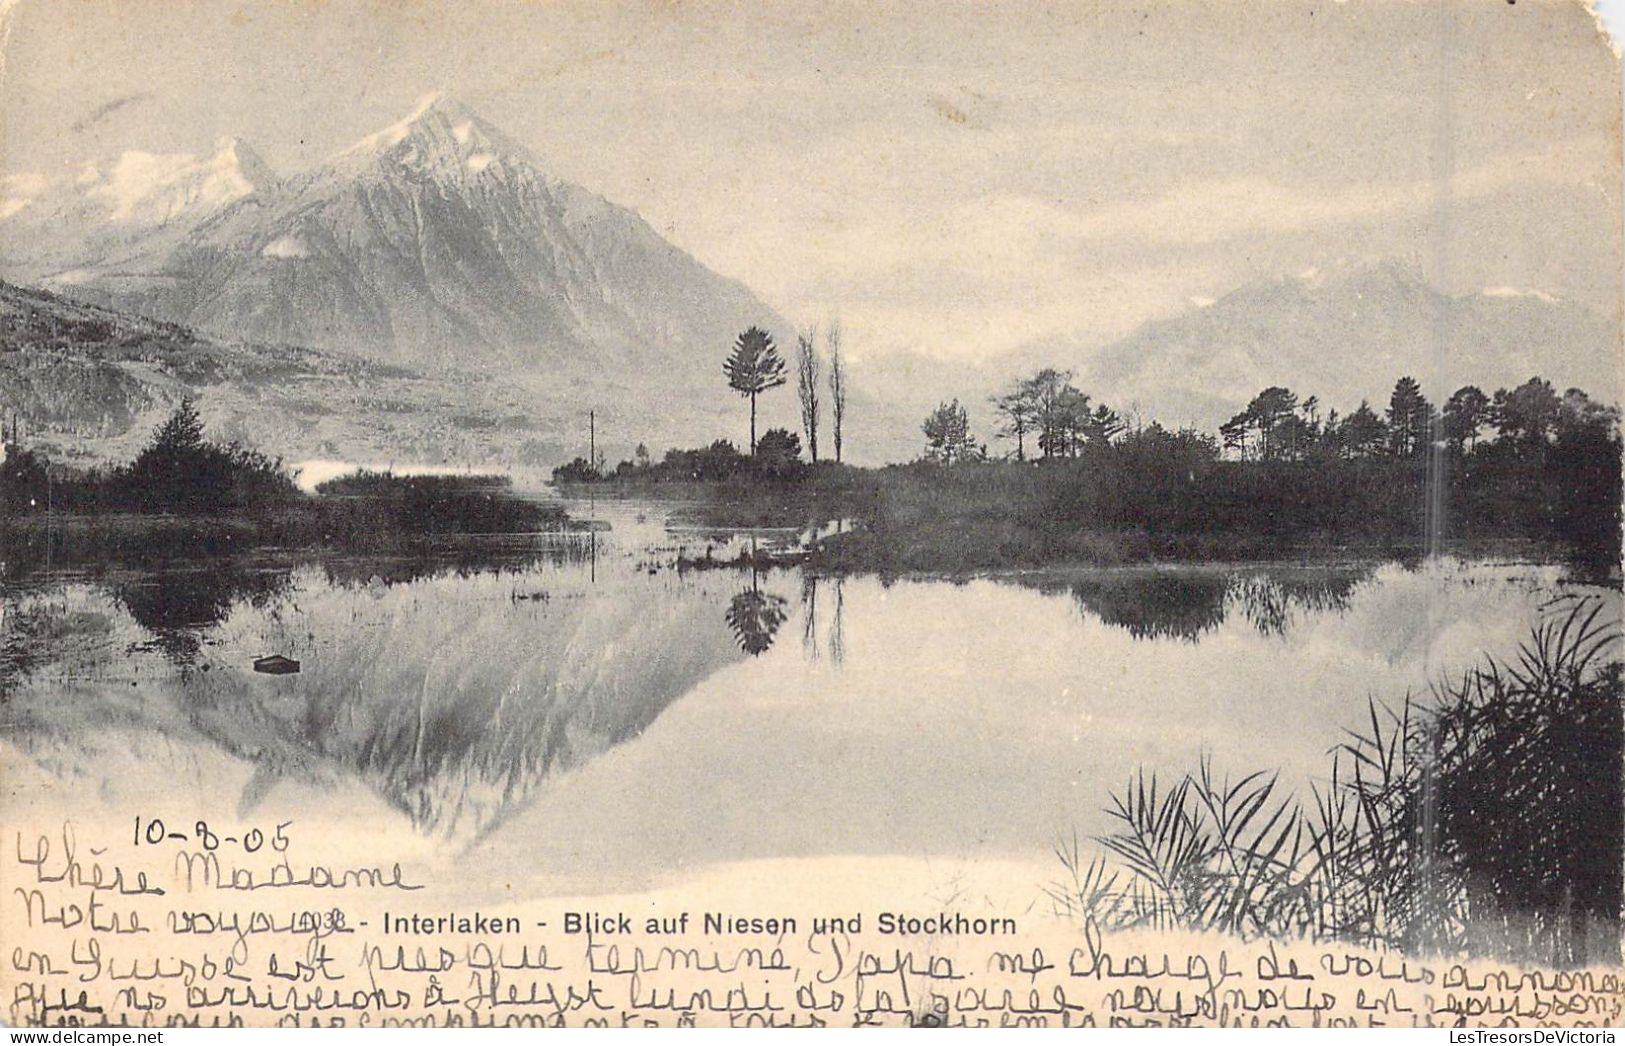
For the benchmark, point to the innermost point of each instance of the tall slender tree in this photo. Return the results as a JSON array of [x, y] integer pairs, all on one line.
[[1584, 418], [808, 369], [1105, 424], [1267, 411], [837, 387], [1234, 433], [181, 434], [1526, 415], [753, 368], [1074, 419]]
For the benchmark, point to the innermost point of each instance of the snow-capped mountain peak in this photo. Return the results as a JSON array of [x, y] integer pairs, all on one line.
[[142, 189], [441, 135], [101, 208], [437, 241]]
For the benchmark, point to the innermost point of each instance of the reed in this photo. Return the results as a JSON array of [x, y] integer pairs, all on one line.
[[1487, 820]]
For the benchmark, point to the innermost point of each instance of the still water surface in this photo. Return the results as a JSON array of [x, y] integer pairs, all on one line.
[[589, 715]]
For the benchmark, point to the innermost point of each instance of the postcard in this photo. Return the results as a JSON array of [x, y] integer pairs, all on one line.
[[647, 513]]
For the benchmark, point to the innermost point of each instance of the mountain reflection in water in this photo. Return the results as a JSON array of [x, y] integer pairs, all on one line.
[[460, 687], [452, 686]]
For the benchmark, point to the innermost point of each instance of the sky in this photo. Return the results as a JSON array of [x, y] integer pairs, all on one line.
[[958, 180]]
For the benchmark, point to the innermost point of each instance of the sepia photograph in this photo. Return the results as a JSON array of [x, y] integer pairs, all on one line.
[[549, 513]]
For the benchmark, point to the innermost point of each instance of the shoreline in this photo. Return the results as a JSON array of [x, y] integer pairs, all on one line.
[[78, 541]]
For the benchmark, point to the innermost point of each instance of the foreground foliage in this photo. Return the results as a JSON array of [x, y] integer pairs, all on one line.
[[1489, 821]]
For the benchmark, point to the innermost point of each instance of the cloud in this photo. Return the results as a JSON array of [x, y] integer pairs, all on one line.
[[980, 274], [18, 191], [1206, 212], [1518, 292], [997, 243]]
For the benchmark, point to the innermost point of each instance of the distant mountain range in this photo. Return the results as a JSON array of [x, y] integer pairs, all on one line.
[[1343, 337], [479, 307]]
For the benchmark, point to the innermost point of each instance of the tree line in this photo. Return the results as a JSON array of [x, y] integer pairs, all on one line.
[[1277, 426], [1525, 463], [192, 480], [1060, 421], [1060, 418]]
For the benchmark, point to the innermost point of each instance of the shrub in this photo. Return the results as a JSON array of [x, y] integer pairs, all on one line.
[[22, 481], [778, 455], [579, 470]]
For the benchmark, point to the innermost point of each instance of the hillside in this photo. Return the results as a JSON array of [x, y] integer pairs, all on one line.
[[90, 383]]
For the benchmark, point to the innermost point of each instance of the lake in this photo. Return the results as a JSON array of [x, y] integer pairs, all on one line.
[[586, 716]]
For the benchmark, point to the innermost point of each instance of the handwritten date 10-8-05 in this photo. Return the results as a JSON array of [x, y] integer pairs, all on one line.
[[152, 831]]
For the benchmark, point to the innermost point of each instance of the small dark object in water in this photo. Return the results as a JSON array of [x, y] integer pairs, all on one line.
[[276, 665]]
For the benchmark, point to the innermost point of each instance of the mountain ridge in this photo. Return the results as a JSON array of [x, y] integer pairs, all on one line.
[[1344, 336], [437, 240]]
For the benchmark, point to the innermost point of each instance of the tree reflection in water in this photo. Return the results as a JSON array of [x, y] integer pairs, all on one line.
[[455, 695], [755, 617], [180, 607], [834, 638], [809, 616], [1154, 605], [837, 636], [178, 604], [1269, 603]]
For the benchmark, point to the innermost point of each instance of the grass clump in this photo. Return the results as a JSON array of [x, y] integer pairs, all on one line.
[[1489, 821]]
